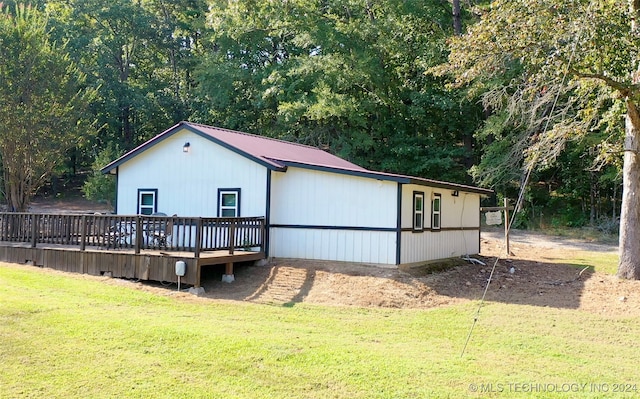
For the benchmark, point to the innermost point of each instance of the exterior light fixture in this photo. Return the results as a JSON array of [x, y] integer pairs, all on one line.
[[454, 193], [185, 147]]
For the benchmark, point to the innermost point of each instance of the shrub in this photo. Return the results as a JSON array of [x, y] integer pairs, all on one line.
[[101, 187]]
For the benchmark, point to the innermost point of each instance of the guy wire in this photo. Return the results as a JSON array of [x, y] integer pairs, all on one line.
[[519, 201]]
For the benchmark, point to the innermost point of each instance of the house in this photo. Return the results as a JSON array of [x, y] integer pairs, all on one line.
[[316, 205]]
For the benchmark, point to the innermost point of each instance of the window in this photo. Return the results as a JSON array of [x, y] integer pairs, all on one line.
[[435, 211], [147, 201], [418, 211], [229, 202]]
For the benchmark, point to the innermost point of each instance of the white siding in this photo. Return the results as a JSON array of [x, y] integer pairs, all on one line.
[[315, 198], [188, 183], [460, 211], [329, 216], [425, 246], [456, 213], [376, 247], [313, 214]]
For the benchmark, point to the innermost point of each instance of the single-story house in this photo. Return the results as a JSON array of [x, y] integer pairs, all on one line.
[[316, 205]]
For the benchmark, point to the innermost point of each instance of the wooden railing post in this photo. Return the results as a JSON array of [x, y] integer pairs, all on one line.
[[83, 232], [232, 236], [263, 237], [196, 251], [138, 243], [34, 230]]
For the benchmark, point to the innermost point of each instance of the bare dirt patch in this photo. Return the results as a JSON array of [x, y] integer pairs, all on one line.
[[535, 275], [68, 205]]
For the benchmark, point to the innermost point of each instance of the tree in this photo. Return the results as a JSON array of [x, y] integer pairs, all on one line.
[[140, 55], [553, 70], [99, 186], [42, 103], [346, 76]]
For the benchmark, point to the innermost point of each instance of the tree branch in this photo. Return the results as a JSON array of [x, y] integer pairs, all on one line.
[[626, 90]]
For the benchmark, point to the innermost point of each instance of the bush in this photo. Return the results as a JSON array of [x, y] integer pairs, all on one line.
[[101, 187], [608, 225]]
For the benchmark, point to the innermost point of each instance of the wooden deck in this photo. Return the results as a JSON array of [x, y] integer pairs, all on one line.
[[27, 239]]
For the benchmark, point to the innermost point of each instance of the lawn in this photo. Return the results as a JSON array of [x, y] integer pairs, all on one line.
[[67, 336]]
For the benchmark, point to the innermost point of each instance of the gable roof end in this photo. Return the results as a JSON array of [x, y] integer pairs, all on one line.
[[271, 153]]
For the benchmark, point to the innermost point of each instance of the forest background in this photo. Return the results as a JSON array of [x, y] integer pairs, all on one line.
[[358, 78]]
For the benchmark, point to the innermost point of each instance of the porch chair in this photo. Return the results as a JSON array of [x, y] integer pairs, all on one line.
[[161, 236], [118, 235]]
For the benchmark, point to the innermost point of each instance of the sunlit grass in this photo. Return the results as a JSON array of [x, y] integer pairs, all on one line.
[[583, 233], [603, 262], [67, 336]]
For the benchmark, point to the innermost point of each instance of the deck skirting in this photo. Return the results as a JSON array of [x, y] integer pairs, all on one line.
[[151, 265]]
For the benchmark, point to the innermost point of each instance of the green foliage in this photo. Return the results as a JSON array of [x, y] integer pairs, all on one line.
[[342, 75], [357, 78], [100, 186], [552, 76], [43, 102], [139, 55]]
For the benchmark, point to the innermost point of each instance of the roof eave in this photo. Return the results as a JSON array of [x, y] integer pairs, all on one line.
[[392, 177], [349, 172], [451, 186]]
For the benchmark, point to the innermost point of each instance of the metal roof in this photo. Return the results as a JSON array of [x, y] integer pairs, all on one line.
[[278, 155], [277, 151]]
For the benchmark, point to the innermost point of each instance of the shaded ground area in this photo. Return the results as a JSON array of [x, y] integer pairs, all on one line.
[[534, 275], [537, 279], [68, 205]]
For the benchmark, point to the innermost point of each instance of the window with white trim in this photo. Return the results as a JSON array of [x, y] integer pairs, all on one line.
[[418, 211], [229, 202], [436, 204], [147, 201]]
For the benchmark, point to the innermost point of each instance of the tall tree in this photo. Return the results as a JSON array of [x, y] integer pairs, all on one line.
[[553, 69], [347, 76], [140, 54], [629, 89], [42, 103]]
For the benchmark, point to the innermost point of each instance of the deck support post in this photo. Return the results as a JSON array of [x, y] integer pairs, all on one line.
[[228, 276]]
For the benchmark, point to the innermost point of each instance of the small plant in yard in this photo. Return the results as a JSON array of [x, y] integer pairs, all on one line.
[[608, 225]]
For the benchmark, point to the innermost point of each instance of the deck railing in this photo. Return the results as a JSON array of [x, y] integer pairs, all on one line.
[[139, 232]]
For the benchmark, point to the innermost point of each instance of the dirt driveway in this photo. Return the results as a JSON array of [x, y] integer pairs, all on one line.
[[524, 237]]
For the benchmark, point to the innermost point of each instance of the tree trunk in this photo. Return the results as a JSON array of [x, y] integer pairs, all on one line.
[[16, 189], [629, 266], [592, 199], [457, 19]]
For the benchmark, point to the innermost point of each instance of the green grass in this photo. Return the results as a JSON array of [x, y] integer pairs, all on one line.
[[65, 336], [580, 233], [602, 262]]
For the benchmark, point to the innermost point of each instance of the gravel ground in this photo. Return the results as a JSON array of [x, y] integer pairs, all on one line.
[[548, 241]]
